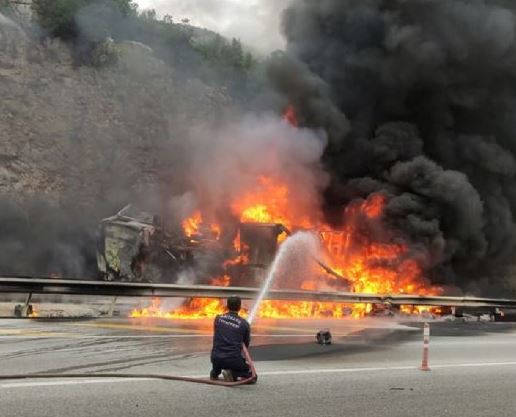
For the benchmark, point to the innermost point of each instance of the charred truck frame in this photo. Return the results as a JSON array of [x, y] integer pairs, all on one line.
[[138, 248]]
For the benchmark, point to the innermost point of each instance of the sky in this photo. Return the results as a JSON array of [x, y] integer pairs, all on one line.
[[255, 22]]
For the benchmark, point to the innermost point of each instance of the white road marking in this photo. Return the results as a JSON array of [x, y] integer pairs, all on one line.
[[85, 336], [474, 365], [387, 368], [65, 382], [378, 368], [70, 382], [465, 343]]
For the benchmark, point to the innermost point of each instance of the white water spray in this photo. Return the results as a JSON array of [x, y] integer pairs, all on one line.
[[306, 242]]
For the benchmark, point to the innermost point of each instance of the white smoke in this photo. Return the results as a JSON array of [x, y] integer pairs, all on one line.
[[255, 22], [296, 256], [227, 160]]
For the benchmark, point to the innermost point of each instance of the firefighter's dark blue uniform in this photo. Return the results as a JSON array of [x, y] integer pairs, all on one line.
[[230, 332]]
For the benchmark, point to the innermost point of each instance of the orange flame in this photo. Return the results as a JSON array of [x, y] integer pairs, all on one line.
[[207, 308], [373, 267], [269, 202], [362, 251], [194, 308], [192, 226], [290, 115]]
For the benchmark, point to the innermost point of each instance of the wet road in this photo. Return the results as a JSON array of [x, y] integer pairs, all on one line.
[[152, 345], [371, 369]]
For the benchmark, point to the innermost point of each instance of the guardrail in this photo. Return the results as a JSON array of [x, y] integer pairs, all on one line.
[[130, 289]]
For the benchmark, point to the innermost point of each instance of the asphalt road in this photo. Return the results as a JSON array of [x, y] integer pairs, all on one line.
[[370, 370]]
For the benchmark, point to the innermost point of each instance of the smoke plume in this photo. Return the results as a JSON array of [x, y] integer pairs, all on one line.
[[254, 22], [418, 99], [227, 160]]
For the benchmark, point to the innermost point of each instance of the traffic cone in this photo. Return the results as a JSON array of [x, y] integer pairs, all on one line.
[[426, 342]]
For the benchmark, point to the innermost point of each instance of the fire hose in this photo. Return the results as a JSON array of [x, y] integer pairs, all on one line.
[[206, 381]]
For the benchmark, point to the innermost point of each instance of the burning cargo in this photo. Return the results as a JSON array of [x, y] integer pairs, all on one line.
[[137, 247], [257, 245]]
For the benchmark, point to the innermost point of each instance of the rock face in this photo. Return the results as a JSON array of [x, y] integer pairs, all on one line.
[[66, 128], [91, 138], [22, 8]]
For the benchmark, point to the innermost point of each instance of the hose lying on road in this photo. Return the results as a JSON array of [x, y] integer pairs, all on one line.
[[247, 356]]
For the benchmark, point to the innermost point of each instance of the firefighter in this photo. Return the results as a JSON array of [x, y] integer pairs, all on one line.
[[230, 332]]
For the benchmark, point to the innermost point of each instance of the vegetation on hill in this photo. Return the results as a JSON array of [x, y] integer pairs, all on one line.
[[85, 24]]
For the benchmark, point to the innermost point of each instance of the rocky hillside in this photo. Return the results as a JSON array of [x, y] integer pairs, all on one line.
[[86, 139]]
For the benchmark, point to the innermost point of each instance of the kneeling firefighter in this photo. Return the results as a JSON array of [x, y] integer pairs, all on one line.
[[230, 332]]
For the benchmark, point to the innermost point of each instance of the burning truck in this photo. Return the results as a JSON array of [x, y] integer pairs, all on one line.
[[138, 247], [235, 226]]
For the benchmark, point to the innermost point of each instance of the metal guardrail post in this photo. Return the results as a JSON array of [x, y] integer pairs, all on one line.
[[25, 309], [112, 306]]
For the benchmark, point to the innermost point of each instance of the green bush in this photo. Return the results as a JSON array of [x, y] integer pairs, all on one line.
[[6, 7], [58, 17], [220, 52], [88, 26]]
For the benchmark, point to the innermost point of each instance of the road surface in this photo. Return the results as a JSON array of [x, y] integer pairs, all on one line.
[[370, 370]]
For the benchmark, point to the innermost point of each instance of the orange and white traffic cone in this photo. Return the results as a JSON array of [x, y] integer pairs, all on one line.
[[426, 342]]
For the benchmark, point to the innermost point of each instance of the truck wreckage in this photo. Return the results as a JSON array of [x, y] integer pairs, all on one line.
[[137, 247]]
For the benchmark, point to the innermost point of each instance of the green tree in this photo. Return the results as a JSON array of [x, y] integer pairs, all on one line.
[[58, 17], [221, 53], [88, 25], [5, 6], [236, 53]]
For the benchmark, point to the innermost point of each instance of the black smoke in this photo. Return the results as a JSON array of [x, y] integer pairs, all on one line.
[[419, 101], [44, 238]]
